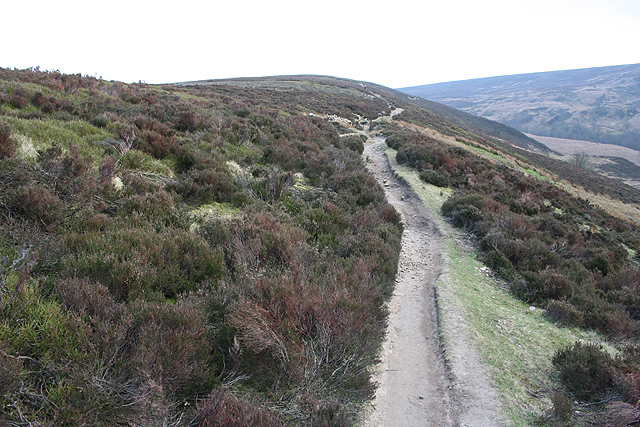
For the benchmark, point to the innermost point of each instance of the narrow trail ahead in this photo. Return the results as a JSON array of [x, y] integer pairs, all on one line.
[[415, 385]]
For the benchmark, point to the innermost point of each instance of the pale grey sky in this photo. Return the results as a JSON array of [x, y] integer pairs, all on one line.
[[394, 43]]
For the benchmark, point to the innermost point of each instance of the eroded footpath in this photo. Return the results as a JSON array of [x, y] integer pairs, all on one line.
[[416, 385]]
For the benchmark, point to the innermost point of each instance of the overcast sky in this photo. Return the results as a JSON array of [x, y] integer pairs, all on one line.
[[396, 43]]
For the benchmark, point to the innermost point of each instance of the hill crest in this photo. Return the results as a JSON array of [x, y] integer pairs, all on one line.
[[594, 104]]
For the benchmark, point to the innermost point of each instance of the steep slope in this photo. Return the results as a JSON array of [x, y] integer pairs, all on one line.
[[596, 104]]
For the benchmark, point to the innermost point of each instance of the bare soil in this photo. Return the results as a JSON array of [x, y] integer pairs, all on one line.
[[417, 384]]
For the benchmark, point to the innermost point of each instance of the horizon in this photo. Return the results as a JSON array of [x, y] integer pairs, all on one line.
[[325, 75], [522, 74], [401, 46]]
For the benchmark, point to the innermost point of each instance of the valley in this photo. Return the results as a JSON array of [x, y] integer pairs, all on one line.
[[600, 155], [595, 104]]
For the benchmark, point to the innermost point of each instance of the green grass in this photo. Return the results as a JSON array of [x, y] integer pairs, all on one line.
[[32, 136], [516, 344], [44, 132], [143, 162], [213, 210]]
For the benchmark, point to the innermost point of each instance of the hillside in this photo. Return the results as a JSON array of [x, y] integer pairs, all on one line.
[[595, 104], [217, 253], [180, 255]]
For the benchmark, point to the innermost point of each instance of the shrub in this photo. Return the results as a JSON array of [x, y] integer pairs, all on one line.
[[36, 203], [619, 414], [553, 285], [459, 200], [435, 178], [332, 414], [100, 121], [565, 313], [156, 206], [497, 261], [172, 347], [599, 263], [190, 121], [354, 143], [223, 409], [38, 99], [85, 297], [562, 406], [466, 217], [207, 185], [134, 260], [19, 102], [586, 369], [7, 146]]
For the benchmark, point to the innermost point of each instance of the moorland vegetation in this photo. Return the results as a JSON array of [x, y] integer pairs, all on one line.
[[187, 255]]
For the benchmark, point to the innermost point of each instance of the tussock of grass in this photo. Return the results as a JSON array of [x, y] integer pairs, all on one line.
[[214, 210], [515, 343], [26, 149], [143, 162]]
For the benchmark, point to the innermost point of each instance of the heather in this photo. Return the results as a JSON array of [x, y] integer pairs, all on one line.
[[188, 255]]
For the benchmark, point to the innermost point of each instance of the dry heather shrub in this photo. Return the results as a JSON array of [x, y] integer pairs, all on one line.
[[629, 384], [9, 374], [586, 369], [36, 203], [85, 297], [172, 347], [619, 414], [222, 409], [7, 146], [320, 334], [332, 414], [619, 324], [554, 285], [565, 313]]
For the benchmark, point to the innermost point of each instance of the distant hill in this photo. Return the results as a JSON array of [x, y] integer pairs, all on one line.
[[452, 116], [594, 104]]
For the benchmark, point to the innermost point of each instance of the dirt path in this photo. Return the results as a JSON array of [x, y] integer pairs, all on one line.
[[416, 387]]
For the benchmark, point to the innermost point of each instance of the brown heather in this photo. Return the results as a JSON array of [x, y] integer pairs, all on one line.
[[119, 305]]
